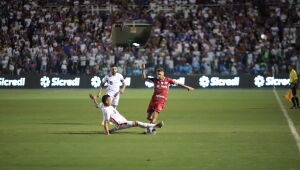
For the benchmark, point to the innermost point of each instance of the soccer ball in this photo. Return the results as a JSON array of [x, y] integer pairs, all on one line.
[[147, 131], [263, 36], [150, 131], [109, 123]]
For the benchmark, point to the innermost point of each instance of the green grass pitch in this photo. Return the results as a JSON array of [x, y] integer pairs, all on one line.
[[208, 129]]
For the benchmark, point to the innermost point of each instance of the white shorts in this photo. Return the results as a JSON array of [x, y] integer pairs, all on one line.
[[127, 123], [115, 100], [119, 120]]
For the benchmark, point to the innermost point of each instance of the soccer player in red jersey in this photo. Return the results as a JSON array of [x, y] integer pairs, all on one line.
[[160, 94]]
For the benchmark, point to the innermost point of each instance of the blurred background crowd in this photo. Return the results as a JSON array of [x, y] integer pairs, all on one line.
[[211, 37]]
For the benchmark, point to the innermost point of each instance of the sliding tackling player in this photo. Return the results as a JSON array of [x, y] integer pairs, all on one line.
[[110, 114]]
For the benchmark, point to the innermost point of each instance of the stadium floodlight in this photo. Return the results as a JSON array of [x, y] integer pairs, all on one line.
[[136, 44], [131, 32]]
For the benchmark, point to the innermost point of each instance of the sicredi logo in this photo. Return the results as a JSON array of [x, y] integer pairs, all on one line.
[[128, 81], [216, 81], [271, 81], [260, 81], [59, 82], [96, 82], [12, 82], [180, 80], [204, 82]]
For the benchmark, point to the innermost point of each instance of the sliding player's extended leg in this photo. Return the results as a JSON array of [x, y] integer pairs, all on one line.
[[145, 125], [119, 127], [130, 124]]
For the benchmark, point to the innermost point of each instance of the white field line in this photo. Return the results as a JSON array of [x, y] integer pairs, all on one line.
[[289, 120]]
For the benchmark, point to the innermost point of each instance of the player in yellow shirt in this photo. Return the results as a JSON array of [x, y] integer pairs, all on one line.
[[294, 86]]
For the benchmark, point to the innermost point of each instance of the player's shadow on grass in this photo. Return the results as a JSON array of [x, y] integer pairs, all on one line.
[[91, 133], [78, 133], [65, 123]]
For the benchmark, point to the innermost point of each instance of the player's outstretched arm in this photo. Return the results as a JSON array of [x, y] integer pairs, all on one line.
[[185, 86], [93, 97], [143, 72], [106, 130], [123, 87], [100, 90]]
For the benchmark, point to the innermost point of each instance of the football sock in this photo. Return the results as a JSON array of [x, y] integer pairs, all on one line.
[[114, 128], [144, 125], [294, 101], [297, 101]]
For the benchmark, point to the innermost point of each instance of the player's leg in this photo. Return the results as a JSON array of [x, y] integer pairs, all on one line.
[[115, 100], [295, 98], [153, 111], [153, 120], [157, 109], [121, 123], [120, 127], [150, 111], [154, 117], [115, 128], [124, 124], [296, 101], [147, 125], [129, 124], [150, 116]]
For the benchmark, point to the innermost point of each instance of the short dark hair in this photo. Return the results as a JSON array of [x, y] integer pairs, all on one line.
[[104, 98], [159, 69], [292, 66], [113, 65]]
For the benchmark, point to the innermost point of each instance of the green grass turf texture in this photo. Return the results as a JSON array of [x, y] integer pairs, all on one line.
[[209, 129]]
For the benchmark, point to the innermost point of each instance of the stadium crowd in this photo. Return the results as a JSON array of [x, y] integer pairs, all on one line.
[[227, 37]]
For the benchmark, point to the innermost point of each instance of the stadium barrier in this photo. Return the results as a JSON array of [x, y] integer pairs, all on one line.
[[90, 81]]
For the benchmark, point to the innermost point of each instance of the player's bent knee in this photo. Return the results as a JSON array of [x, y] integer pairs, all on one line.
[[134, 123]]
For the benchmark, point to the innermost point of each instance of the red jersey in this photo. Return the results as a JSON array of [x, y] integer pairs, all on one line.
[[161, 88]]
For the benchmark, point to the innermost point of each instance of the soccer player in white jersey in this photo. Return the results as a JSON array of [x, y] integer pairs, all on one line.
[[114, 81], [110, 114]]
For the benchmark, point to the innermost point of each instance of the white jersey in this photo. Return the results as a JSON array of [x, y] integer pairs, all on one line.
[[113, 83], [111, 114]]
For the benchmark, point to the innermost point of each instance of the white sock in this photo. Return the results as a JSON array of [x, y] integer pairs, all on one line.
[[145, 125]]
